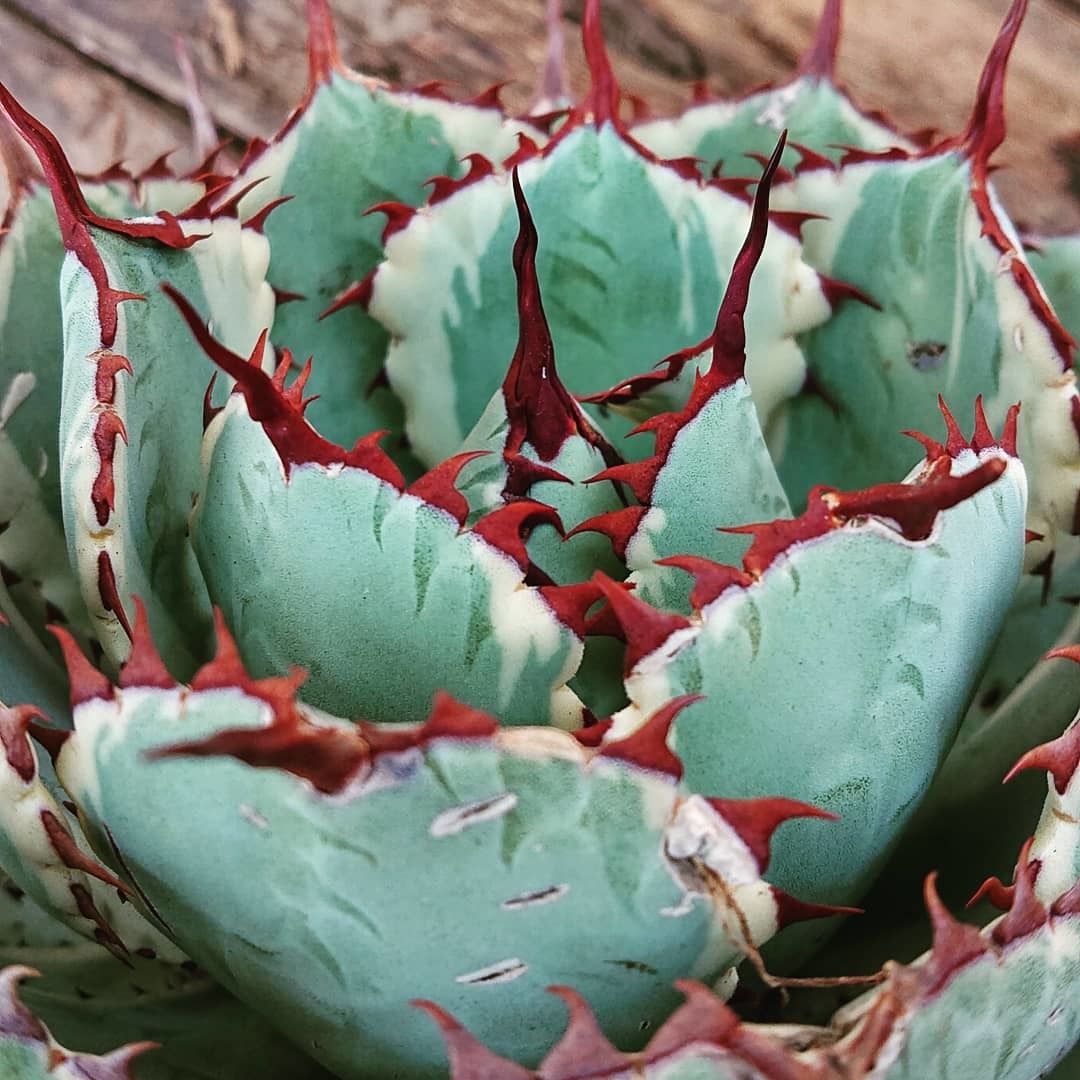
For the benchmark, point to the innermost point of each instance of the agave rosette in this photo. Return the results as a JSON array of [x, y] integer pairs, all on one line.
[[398, 686]]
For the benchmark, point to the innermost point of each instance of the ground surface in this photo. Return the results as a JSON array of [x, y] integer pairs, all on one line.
[[102, 73]]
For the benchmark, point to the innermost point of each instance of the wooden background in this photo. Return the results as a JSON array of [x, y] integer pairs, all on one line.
[[103, 75]]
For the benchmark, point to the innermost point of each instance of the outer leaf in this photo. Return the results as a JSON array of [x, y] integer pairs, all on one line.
[[886, 610], [540, 841], [87, 999], [811, 107], [350, 144], [29, 1052], [448, 606], [446, 298], [128, 476], [962, 315], [995, 1005]]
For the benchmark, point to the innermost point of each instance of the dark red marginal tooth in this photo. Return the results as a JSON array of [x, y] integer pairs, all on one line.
[[257, 221], [700, 94], [116, 1065], [255, 148], [688, 168], [85, 682], [284, 365], [144, 666], [72, 857], [526, 150], [209, 409], [523, 472], [295, 393], [442, 187], [638, 476], [491, 98], [738, 186], [16, 1020], [453, 719], [437, 486], [819, 61], [398, 215], [14, 725], [983, 437], [935, 451], [915, 507], [1060, 758], [470, 1059], [619, 526], [230, 208], [358, 293], [51, 739], [1027, 913], [593, 735], [647, 747], [755, 820], [779, 174], [711, 579], [104, 933], [205, 168], [507, 527], [645, 629], [571, 603], [322, 46], [790, 909], [327, 758], [703, 1018], [110, 593], [837, 292], [433, 88], [158, 169], [1007, 442], [202, 207], [107, 429], [810, 160], [109, 365], [1033, 537], [955, 944], [772, 539], [955, 442], [225, 669], [583, 1050], [294, 439], [995, 892], [284, 296], [638, 385], [640, 112], [792, 221]]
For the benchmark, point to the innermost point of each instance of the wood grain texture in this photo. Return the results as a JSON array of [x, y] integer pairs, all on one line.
[[103, 74]]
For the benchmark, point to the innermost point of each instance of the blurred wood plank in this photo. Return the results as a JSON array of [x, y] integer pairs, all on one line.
[[79, 63]]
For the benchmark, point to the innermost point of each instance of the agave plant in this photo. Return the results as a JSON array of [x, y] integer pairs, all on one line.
[[351, 705]]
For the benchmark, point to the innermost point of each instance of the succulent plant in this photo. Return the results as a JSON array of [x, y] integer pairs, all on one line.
[[351, 704]]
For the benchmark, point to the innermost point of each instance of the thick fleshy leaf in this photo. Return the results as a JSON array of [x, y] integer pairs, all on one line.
[[88, 999], [390, 599], [998, 1004], [961, 315], [558, 863], [811, 107], [536, 441], [710, 467], [352, 143], [29, 1052], [446, 297], [132, 411], [886, 603]]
